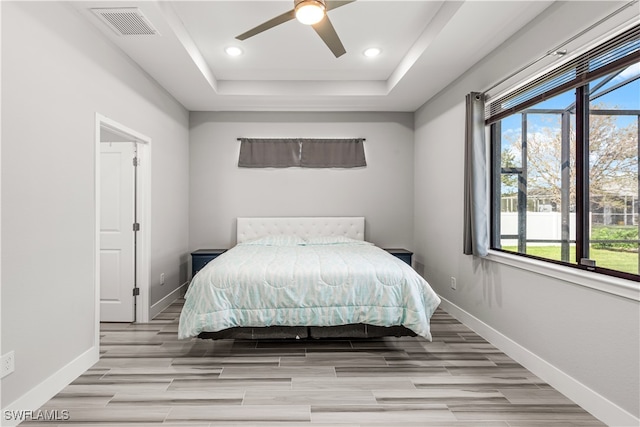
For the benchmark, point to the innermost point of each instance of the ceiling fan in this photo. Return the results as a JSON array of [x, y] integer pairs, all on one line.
[[309, 12]]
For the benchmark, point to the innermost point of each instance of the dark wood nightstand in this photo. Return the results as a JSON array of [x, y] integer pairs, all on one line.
[[201, 257], [403, 254]]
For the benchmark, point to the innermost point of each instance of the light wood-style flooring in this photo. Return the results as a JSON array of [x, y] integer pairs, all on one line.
[[147, 377]]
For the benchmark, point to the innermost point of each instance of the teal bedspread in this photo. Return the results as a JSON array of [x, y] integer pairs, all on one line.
[[321, 282]]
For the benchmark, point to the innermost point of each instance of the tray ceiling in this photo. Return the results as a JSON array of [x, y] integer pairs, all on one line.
[[425, 46]]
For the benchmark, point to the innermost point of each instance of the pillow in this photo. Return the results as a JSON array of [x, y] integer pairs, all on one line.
[[334, 240], [276, 240]]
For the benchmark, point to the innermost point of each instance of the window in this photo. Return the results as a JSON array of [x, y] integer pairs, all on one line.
[[564, 152]]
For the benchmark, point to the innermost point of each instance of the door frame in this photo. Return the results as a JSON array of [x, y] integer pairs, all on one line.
[[143, 248]]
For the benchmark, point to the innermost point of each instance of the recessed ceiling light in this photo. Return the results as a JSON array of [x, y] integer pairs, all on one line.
[[233, 51], [372, 52]]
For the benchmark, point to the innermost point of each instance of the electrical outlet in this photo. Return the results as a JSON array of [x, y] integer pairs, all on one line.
[[7, 365], [453, 283], [162, 278]]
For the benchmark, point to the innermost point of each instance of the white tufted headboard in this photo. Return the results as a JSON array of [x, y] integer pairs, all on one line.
[[253, 228]]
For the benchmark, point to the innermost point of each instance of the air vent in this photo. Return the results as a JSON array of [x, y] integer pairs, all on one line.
[[126, 21]]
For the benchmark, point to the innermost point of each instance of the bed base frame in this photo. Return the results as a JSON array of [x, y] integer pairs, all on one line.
[[356, 331]]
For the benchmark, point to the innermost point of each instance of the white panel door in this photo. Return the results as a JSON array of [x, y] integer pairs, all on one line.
[[116, 231]]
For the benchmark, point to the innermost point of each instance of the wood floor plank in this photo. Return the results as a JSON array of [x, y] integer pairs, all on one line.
[[232, 384], [351, 383], [117, 415], [178, 398], [389, 414], [513, 412], [308, 397], [334, 360], [66, 400], [244, 413], [147, 377], [226, 361], [444, 396], [278, 372], [393, 371], [475, 382], [539, 397]]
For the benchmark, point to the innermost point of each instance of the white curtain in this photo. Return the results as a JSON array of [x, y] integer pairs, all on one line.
[[476, 193]]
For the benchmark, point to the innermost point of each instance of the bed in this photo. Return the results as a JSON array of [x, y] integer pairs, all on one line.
[[306, 278]]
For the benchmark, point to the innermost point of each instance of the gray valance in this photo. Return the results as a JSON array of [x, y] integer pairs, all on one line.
[[332, 153], [308, 153], [269, 153]]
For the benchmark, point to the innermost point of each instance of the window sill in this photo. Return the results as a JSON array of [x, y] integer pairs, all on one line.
[[611, 285]]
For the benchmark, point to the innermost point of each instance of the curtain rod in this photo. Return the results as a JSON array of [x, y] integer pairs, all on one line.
[[556, 49], [363, 139]]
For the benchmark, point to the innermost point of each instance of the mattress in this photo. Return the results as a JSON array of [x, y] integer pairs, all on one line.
[[291, 281]]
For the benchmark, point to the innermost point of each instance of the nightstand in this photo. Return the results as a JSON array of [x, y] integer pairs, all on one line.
[[403, 254], [201, 257]]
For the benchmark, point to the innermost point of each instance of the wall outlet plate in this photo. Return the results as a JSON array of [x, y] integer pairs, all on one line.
[[7, 365], [162, 278], [453, 283]]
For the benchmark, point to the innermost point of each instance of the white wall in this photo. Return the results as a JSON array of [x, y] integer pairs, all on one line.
[[1, 353], [590, 336], [220, 191], [57, 73]]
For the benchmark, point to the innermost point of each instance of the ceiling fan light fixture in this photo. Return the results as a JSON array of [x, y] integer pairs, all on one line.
[[310, 12]]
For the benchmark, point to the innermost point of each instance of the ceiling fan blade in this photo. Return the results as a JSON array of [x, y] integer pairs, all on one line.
[[280, 19], [328, 34], [335, 4]]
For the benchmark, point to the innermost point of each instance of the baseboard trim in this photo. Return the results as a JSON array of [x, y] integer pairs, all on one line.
[[596, 404], [43, 392], [167, 301]]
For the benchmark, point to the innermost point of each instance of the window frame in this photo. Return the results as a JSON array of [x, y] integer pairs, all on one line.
[[609, 284], [493, 122]]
